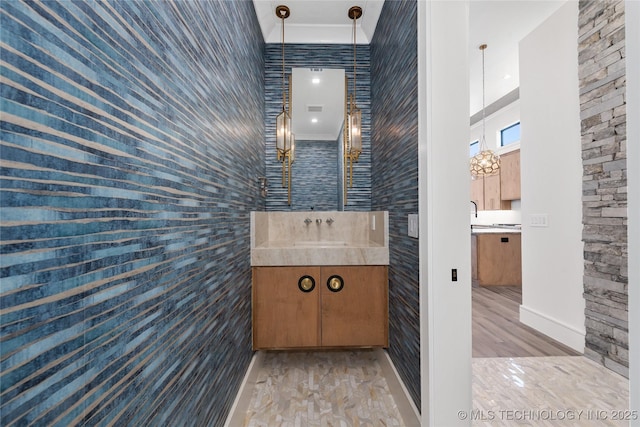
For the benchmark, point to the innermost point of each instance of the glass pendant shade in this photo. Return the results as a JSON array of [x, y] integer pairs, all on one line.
[[355, 131], [292, 151], [284, 137]]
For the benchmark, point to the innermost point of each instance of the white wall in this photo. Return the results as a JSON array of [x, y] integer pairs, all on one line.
[[443, 156], [632, 17], [494, 123], [552, 257]]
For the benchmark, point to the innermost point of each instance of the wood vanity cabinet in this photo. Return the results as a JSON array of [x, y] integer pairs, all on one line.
[[284, 316]]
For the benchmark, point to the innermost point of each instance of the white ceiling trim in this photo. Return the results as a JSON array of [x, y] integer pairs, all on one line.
[[318, 22]]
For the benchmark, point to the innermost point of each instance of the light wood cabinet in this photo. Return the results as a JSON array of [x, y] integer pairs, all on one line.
[[474, 260], [510, 176], [498, 258], [486, 192], [495, 192], [283, 315], [355, 315], [477, 192], [492, 196], [491, 192]]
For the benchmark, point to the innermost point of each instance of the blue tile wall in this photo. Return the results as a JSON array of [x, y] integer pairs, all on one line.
[[315, 186], [309, 192], [132, 136], [394, 182]]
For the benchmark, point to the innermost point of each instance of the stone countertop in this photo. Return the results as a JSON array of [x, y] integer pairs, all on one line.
[[319, 238], [485, 229], [319, 255]]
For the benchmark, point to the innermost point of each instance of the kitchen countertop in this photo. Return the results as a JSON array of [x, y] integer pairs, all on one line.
[[495, 228]]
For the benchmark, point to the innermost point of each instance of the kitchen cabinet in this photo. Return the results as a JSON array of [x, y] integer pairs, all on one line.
[[347, 306], [495, 192], [510, 175], [492, 192], [492, 196], [477, 192], [497, 258], [474, 260]]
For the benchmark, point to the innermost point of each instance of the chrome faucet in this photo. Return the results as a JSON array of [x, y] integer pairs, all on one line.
[[476, 206], [329, 221], [318, 221], [307, 221]]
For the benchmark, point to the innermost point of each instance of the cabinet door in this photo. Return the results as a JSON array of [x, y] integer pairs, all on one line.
[[474, 260], [492, 192], [492, 198], [477, 192], [358, 314], [283, 315], [499, 259], [510, 176]]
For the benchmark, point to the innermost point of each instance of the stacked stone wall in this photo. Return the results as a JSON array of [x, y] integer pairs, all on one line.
[[601, 49]]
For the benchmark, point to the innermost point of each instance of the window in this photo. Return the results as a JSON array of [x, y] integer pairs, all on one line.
[[474, 148], [510, 134]]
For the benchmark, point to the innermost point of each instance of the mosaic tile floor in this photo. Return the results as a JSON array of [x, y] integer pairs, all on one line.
[[302, 389], [348, 389]]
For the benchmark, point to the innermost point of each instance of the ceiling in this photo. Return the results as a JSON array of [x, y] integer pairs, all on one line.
[[500, 24], [318, 21]]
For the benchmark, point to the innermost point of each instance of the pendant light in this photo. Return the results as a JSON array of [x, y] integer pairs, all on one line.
[[353, 140], [285, 141], [486, 162]]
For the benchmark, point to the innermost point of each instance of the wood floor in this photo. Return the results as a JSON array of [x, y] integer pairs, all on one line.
[[497, 332]]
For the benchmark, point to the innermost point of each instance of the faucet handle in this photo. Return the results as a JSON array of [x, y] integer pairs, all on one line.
[[307, 221], [329, 221]]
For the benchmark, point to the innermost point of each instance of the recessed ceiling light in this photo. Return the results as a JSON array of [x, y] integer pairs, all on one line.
[[315, 81], [314, 120], [507, 76]]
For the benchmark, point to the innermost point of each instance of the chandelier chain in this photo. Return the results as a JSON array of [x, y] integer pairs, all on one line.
[[483, 143], [354, 59], [283, 89]]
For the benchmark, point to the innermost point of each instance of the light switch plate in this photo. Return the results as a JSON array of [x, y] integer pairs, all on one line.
[[413, 225], [539, 220]]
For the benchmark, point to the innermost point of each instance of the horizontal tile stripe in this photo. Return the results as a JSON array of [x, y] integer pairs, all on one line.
[[132, 136]]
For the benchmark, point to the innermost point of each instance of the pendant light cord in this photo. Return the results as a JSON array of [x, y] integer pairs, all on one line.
[[283, 94], [354, 60], [483, 144]]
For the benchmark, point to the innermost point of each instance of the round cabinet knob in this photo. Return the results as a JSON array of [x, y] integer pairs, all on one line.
[[335, 283], [306, 283]]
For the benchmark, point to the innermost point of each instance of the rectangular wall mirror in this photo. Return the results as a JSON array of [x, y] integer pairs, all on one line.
[[317, 114]]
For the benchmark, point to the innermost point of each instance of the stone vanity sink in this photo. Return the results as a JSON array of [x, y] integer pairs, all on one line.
[[319, 238]]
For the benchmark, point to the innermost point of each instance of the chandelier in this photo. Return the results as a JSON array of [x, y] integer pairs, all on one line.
[[285, 140], [353, 140], [486, 162]]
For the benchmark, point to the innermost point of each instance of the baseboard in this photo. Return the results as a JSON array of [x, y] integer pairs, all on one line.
[[243, 398], [406, 407], [567, 335]]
